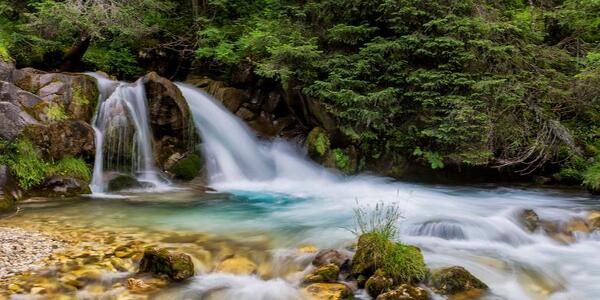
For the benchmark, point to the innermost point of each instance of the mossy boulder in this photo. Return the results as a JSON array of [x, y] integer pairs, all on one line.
[[187, 168], [317, 144], [177, 266], [405, 292], [326, 273], [402, 263], [378, 283], [454, 280], [329, 291], [123, 182]]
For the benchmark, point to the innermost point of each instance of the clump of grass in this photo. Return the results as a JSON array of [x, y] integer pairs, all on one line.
[[591, 178], [377, 247], [25, 163], [72, 167]]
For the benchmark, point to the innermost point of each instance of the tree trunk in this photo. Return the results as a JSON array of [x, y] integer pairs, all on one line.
[[72, 59]]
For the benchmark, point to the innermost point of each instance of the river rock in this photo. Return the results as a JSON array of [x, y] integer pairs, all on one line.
[[378, 283], [326, 273], [576, 225], [61, 186], [455, 280], [123, 182], [13, 120], [170, 117], [237, 265], [529, 219], [329, 291], [187, 167], [405, 292], [593, 220], [177, 266], [340, 258], [66, 138]]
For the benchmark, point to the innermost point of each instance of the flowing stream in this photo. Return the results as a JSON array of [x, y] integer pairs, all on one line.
[[476, 228]]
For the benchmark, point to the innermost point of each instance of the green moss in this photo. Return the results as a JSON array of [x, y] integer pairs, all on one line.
[[318, 144], [79, 97], [342, 160], [4, 45], [56, 112], [187, 168], [326, 273], [453, 280]]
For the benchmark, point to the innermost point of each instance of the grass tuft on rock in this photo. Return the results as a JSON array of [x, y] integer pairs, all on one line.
[[377, 249], [591, 178], [72, 167]]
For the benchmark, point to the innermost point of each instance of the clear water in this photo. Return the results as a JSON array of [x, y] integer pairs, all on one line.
[[268, 188]]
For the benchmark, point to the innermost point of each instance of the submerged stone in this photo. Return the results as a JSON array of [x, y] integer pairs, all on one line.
[[177, 266], [529, 219], [405, 292], [187, 168], [329, 291], [454, 280], [237, 265]]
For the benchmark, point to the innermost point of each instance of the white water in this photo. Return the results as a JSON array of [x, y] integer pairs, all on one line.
[[472, 227], [121, 106]]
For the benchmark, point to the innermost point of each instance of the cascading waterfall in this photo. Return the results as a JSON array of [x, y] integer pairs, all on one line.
[[474, 228], [123, 134]]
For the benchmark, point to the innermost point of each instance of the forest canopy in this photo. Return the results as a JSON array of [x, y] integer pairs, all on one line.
[[510, 84]]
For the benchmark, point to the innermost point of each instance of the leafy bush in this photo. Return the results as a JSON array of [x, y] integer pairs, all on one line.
[[120, 62]]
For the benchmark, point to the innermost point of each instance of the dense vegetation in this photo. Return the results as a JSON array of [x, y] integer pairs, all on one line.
[[507, 84]]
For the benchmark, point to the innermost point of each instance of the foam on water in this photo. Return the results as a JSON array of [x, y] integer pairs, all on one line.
[[473, 227]]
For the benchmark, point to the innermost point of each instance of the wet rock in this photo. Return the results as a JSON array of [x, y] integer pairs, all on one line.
[[405, 292], [177, 266], [378, 283], [13, 94], [329, 291], [170, 117], [188, 167], [454, 280], [13, 120], [6, 69], [245, 114], [308, 249], [593, 220], [138, 286], [529, 219], [326, 273], [576, 225], [237, 265], [123, 182], [66, 138], [61, 186], [337, 257], [317, 144]]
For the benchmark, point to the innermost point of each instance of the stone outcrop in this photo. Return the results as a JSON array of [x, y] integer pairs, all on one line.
[[66, 138], [170, 118], [13, 120]]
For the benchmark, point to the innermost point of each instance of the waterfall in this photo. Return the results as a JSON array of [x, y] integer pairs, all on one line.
[[123, 134]]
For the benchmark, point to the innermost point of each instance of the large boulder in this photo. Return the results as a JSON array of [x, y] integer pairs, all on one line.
[[61, 186], [13, 120], [76, 94], [455, 280], [177, 266], [67, 138], [187, 167], [170, 117], [123, 182], [11, 93]]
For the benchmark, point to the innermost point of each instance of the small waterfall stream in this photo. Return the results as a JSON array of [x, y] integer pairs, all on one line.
[[123, 134]]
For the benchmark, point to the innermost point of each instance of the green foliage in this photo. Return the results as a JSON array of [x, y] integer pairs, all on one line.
[[342, 160], [120, 62], [56, 112], [71, 167], [25, 163], [591, 178], [376, 248]]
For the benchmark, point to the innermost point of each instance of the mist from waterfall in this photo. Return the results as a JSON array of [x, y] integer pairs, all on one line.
[[123, 134], [477, 228]]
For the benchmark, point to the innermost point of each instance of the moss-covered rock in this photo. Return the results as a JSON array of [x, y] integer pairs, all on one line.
[[405, 292], [317, 144], [188, 167], [326, 273], [177, 266], [378, 283], [328, 291], [123, 182], [454, 280], [61, 186], [402, 263]]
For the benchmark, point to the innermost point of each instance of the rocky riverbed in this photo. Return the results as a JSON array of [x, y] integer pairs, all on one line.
[[22, 250]]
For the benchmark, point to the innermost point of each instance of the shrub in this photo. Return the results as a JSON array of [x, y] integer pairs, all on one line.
[[591, 178], [72, 167]]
